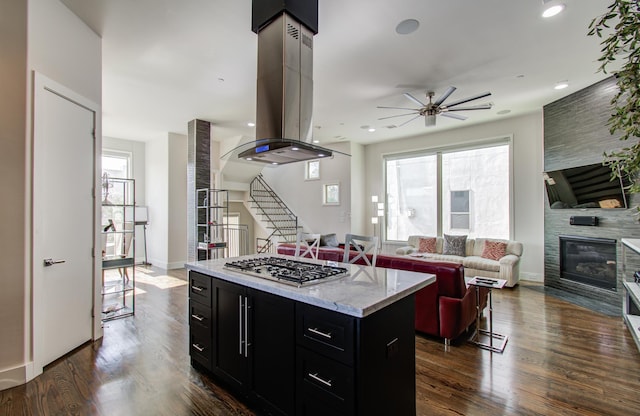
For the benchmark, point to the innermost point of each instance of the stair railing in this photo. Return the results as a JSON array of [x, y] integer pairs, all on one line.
[[274, 211]]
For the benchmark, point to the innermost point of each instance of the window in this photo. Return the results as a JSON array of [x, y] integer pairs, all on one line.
[[331, 194], [115, 165], [459, 214], [452, 191], [312, 170]]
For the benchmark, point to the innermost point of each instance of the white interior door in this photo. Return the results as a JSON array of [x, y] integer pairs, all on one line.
[[63, 221]]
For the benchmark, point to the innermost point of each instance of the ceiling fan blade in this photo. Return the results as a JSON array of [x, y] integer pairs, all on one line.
[[409, 121], [444, 96], [454, 115], [400, 108], [414, 99], [473, 107], [430, 120], [466, 100], [398, 115]]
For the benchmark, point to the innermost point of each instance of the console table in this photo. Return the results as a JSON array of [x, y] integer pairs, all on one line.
[[631, 299]]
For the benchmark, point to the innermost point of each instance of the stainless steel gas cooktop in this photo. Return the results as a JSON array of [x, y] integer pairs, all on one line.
[[293, 272]]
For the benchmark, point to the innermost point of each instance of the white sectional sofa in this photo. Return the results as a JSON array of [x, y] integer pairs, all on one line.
[[506, 267]]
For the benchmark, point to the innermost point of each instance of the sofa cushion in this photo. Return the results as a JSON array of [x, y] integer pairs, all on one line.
[[475, 262], [427, 245], [494, 250], [330, 240], [513, 247], [455, 245]]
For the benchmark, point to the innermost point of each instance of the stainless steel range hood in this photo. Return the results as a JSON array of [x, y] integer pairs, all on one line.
[[284, 94]]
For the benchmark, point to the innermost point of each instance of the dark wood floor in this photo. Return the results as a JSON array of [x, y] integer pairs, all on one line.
[[561, 359]]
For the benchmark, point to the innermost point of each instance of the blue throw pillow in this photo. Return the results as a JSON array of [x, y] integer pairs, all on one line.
[[455, 245]]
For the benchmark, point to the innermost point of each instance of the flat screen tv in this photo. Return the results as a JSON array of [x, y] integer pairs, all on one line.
[[587, 186]]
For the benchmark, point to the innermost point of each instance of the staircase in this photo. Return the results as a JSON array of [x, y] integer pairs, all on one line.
[[270, 209]]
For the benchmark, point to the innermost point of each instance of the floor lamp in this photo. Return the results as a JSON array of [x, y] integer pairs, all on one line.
[[378, 207]]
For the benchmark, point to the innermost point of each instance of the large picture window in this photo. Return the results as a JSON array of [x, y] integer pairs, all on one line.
[[452, 191]]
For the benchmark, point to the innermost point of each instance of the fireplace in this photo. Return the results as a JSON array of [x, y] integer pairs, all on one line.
[[588, 260]]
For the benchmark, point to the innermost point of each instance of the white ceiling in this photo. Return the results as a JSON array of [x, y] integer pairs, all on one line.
[[166, 62]]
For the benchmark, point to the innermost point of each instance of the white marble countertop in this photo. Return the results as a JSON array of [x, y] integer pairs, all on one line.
[[363, 292]]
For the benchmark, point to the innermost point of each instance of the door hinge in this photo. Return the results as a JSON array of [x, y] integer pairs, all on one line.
[[93, 252], [93, 315]]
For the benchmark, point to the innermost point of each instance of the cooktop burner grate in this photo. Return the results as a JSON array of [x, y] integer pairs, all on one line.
[[294, 272]]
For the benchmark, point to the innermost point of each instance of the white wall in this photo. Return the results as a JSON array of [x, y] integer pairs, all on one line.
[[166, 196], [177, 184], [137, 151], [40, 35], [157, 197], [528, 201], [304, 197]]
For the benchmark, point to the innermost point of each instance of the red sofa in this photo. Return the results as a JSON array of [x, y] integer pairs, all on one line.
[[444, 309]]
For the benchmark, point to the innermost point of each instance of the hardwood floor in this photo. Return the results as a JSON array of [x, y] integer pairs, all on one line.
[[561, 359]]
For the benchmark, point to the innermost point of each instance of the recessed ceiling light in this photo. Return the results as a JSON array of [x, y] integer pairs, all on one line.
[[274, 163], [552, 8], [295, 148], [251, 124], [316, 141], [561, 85], [249, 158], [407, 26], [321, 155], [371, 130]]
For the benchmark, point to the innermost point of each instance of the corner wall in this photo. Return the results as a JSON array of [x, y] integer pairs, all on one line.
[[576, 134], [43, 36], [528, 198], [304, 197]]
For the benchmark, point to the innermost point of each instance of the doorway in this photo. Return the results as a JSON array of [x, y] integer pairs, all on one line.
[[63, 221]]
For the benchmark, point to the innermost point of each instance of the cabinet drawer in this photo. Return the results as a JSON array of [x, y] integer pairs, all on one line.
[[323, 381], [200, 288], [326, 332], [199, 315], [200, 346]]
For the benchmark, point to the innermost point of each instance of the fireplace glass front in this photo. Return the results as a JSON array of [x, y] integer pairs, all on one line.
[[589, 260]]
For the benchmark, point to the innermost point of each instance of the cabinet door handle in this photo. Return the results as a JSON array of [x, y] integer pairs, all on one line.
[[198, 347], [320, 380], [199, 318], [197, 288], [318, 332], [246, 326], [240, 324]]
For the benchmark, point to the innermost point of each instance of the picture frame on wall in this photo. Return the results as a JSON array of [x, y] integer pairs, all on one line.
[[331, 193]]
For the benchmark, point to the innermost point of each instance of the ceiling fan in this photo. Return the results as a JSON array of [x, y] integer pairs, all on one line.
[[430, 110]]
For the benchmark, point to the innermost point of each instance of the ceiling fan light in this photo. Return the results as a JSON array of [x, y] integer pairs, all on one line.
[[552, 8], [561, 85]]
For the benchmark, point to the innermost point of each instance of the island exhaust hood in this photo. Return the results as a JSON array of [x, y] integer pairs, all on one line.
[[285, 84]]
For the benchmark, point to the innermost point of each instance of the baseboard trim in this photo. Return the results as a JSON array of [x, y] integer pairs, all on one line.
[[532, 277], [16, 376]]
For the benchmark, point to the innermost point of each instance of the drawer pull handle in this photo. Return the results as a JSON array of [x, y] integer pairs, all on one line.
[[199, 318], [318, 379], [198, 347], [322, 334], [197, 288]]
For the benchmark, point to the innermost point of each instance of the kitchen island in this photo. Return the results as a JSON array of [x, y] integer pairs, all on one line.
[[344, 346]]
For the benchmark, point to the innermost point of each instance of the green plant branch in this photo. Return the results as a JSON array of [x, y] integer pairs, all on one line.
[[619, 28]]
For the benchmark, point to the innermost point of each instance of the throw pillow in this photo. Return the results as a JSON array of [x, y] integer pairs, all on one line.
[[330, 240], [427, 245], [455, 245], [494, 250]]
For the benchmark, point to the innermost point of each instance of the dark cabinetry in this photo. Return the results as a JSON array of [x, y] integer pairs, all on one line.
[[250, 341], [355, 366], [289, 357]]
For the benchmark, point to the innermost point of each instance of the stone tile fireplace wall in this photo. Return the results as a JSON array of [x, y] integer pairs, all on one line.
[[576, 134]]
